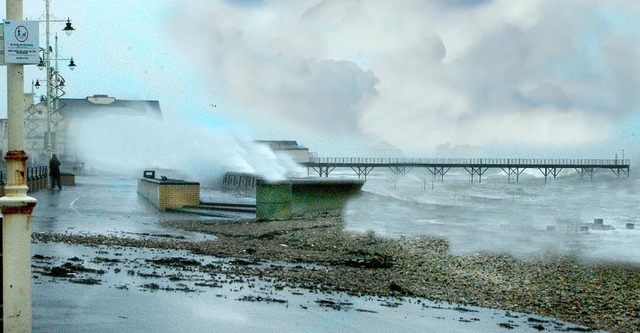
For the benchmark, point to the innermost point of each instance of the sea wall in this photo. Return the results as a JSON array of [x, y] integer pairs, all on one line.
[[240, 181], [169, 193], [67, 179], [284, 199]]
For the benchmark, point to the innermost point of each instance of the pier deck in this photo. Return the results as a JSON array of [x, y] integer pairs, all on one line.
[[476, 167]]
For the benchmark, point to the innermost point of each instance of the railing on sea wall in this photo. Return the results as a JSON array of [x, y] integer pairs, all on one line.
[[33, 173]]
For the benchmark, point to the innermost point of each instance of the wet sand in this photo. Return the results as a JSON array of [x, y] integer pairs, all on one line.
[[596, 295]]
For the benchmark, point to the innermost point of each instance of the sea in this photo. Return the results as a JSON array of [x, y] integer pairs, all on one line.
[[594, 218]]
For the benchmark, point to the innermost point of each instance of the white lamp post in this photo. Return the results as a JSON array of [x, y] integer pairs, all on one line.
[[16, 205], [68, 29], [55, 82]]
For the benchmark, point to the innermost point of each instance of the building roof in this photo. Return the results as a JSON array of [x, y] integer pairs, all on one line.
[[282, 144], [100, 105]]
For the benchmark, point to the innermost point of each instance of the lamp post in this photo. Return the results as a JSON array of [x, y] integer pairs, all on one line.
[[16, 206], [68, 29], [55, 85], [58, 84]]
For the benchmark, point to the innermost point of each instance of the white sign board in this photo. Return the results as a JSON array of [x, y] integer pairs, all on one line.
[[21, 44]]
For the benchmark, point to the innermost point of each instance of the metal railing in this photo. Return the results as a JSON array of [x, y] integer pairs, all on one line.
[[470, 161], [34, 172]]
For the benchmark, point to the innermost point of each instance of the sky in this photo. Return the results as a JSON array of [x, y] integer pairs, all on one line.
[[440, 78]]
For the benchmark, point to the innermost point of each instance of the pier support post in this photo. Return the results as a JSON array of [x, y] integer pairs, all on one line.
[[479, 171], [586, 171], [432, 171], [546, 171], [362, 171], [513, 171], [438, 171], [399, 171], [323, 170], [619, 170]]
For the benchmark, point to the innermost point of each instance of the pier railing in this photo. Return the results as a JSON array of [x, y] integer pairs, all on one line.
[[470, 161]]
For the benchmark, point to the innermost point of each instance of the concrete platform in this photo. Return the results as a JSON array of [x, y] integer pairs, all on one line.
[[101, 206]]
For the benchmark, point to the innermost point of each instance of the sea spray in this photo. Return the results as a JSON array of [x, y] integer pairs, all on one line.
[[130, 144]]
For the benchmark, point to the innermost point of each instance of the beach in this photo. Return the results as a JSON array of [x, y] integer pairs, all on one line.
[[604, 296]]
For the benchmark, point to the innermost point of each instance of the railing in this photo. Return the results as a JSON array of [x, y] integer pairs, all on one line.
[[35, 172], [470, 161]]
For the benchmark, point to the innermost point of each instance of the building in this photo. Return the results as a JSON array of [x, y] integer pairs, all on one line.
[[70, 109], [248, 181], [299, 153]]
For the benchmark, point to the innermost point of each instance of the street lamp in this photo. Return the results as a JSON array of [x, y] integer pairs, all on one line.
[[53, 87], [41, 65], [68, 29], [57, 83]]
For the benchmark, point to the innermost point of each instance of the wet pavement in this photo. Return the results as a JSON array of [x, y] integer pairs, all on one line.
[[109, 206], [78, 288]]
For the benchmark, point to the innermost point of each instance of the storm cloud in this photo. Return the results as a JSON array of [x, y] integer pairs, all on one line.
[[422, 74]]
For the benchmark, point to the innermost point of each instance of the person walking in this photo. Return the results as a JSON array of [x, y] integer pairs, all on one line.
[[54, 172]]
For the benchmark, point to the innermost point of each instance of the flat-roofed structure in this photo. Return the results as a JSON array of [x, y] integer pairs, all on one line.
[[298, 152]]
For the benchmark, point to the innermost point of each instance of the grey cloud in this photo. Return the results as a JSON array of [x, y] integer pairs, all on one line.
[[326, 95], [419, 74], [546, 93]]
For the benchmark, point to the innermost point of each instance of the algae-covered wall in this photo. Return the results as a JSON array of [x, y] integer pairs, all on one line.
[[323, 195], [279, 200], [273, 200]]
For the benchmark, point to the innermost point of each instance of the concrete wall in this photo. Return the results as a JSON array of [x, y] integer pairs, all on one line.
[[273, 200], [179, 195], [67, 179], [281, 200], [149, 191], [323, 195], [169, 193]]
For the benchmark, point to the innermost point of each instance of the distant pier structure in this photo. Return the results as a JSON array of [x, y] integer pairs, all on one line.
[[476, 167]]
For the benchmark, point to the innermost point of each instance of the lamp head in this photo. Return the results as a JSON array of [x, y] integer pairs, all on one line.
[[68, 29]]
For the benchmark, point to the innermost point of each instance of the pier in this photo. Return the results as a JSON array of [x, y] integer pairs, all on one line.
[[476, 167]]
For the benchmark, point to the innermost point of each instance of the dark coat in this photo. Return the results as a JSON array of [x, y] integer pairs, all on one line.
[[54, 167]]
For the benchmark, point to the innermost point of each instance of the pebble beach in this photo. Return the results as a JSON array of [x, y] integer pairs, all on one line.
[[601, 296]]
